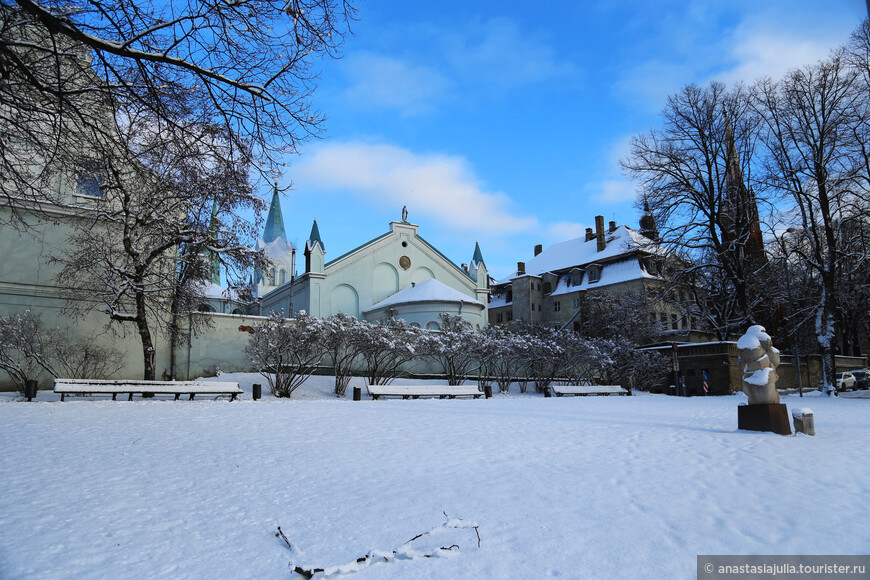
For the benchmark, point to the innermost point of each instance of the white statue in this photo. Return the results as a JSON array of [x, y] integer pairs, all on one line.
[[761, 359]]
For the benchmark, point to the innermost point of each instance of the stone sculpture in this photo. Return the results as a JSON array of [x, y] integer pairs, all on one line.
[[759, 373]]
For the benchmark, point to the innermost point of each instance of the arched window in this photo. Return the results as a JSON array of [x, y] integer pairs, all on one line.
[[205, 308], [273, 277], [432, 325], [237, 311], [282, 276]]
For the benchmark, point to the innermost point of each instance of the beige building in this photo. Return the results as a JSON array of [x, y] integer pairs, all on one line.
[[553, 287]]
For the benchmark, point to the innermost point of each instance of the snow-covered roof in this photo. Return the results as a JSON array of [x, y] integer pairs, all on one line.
[[212, 290], [579, 252], [429, 291], [614, 273], [277, 248]]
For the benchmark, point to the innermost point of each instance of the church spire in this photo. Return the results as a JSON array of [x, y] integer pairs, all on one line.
[[275, 221], [477, 259], [315, 236]]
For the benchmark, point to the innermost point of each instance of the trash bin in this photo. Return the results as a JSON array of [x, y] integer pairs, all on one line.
[[256, 391], [487, 391], [357, 394], [30, 390]]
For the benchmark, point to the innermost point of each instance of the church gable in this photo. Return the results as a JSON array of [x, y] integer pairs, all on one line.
[[393, 262]]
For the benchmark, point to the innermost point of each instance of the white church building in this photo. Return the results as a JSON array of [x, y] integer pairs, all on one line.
[[398, 271]]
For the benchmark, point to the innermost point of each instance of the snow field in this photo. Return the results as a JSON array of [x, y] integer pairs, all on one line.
[[606, 487]]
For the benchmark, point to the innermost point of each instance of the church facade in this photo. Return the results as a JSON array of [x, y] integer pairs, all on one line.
[[397, 272]]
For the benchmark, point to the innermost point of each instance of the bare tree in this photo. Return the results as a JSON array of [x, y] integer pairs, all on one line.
[[244, 67], [697, 175], [811, 119]]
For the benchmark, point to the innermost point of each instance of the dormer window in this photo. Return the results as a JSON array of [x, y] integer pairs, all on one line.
[[594, 274]]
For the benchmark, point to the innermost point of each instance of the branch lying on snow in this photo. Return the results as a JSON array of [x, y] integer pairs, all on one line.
[[404, 552]]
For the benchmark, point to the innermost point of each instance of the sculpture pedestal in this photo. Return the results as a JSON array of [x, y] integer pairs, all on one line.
[[764, 418]]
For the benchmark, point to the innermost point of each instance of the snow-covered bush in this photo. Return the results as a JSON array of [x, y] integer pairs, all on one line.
[[286, 352], [544, 358], [27, 348], [452, 348], [635, 368], [508, 356], [384, 347], [339, 344]]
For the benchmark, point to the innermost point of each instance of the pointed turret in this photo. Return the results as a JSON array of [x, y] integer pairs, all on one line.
[[648, 223], [275, 220], [478, 272], [314, 251], [315, 236]]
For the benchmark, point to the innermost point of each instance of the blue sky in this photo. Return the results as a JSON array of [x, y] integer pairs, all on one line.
[[503, 122]]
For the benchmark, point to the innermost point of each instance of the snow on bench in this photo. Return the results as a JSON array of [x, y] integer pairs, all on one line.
[[585, 390], [417, 391], [107, 387]]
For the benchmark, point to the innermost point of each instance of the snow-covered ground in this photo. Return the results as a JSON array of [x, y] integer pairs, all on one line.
[[598, 487]]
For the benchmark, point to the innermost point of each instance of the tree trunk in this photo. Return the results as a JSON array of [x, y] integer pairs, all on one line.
[[148, 352]]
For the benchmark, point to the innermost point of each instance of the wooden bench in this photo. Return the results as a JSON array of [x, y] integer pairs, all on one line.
[[106, 387], [587, 390], [417, 391]]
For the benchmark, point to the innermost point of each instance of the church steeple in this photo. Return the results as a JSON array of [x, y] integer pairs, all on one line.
[[477, 259], [315, 236], [314, 251], [275, 221]]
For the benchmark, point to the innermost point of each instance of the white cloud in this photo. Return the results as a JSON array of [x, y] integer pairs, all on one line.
[[498, 53], [763, 50], [561, 231], [612, 190], [437, 186], [383, 81]]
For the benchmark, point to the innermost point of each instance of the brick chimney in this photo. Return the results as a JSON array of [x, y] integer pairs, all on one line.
[[599, 232], [612, 227], [590, 235], [538, 249], [521, 268]]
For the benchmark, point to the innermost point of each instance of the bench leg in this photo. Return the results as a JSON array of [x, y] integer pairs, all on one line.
[[114, 395], [130, 398], [191, 397], [62, 395]]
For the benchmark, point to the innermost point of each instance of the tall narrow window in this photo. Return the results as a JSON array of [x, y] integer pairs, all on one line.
[[90, 179], [282, 276]]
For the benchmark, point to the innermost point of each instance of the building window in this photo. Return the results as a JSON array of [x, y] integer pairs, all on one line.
[[90, 179], [510, 296], [594, 275], [675, 324], [548, 287], [664, 321], [282, 276], [498, 317], [509, 316], [557, 306], [273, 276], [576, 303]]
